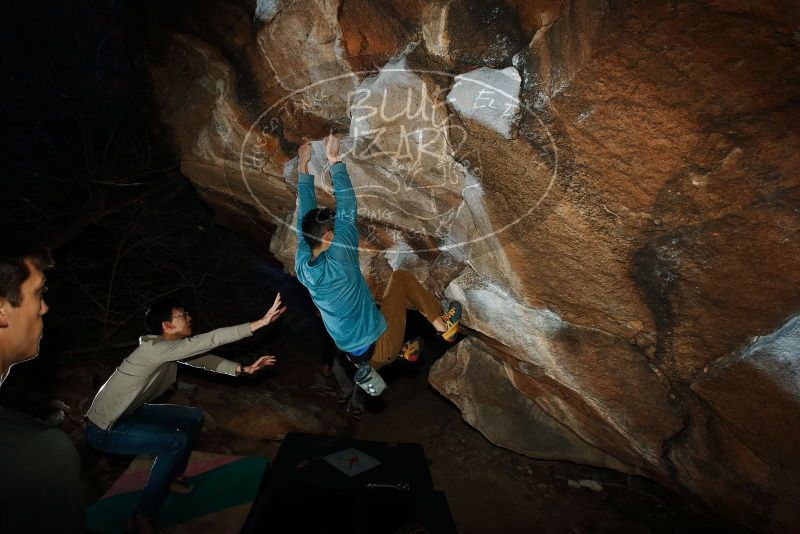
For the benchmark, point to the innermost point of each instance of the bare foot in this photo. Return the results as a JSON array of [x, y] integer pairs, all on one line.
[[139, 524], [181, 486]]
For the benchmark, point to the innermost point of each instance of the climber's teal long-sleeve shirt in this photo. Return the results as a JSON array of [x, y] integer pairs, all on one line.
[[334, 277]]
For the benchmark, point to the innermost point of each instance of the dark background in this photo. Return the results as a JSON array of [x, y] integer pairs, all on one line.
[[88, 169]]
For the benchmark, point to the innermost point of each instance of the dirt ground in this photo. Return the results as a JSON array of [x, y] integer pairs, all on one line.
[[495, 490]]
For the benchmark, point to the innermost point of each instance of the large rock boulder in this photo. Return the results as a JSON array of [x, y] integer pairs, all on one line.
[[474, 379], [610, 188]]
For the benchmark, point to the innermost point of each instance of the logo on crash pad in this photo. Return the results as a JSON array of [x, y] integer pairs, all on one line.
[[351, 461]]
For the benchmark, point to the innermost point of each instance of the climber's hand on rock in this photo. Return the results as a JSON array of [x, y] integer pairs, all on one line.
[[304, 156], [332, 148]]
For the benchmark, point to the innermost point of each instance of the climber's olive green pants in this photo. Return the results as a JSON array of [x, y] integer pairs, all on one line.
[[402, 289]]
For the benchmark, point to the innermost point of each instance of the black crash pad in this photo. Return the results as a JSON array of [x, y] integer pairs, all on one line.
[[332, 485]]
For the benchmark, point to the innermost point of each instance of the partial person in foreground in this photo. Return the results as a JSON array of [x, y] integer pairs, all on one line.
[[40, 486], [121, 420], [327, 265]]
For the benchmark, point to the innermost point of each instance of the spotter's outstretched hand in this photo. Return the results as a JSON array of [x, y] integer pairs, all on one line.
[[259, 364], [272, 314]]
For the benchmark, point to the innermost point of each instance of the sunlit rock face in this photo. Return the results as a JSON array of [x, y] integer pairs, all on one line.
[[609, 188]]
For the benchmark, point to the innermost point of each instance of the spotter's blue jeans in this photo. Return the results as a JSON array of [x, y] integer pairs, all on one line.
[[168, 431]]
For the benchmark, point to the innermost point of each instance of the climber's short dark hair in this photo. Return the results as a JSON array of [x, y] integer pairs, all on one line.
[[315, 223]]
